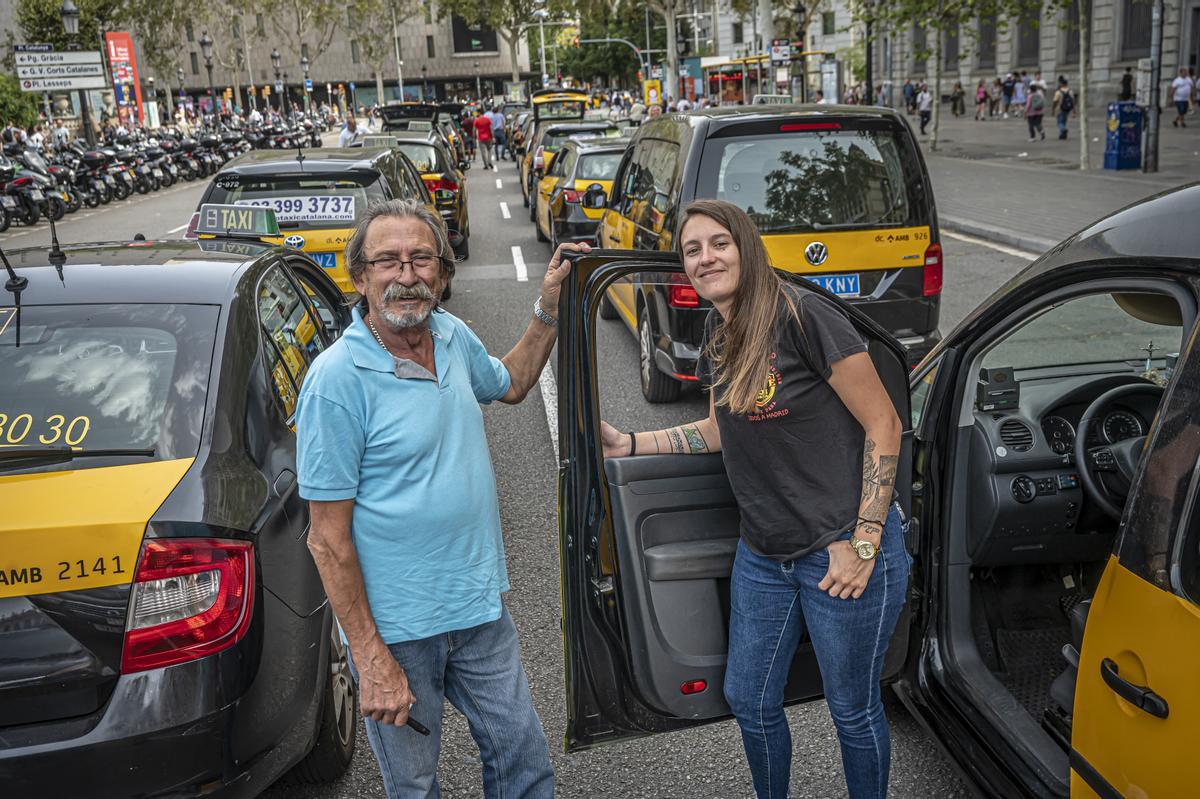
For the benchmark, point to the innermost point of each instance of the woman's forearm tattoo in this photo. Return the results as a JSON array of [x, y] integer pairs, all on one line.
[[686, 440], [879, 477]]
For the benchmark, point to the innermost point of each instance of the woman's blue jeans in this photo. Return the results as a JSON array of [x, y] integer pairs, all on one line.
[[773, 604]]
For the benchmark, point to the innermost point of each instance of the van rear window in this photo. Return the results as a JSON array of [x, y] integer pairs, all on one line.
[[303, 202], [798, 181]]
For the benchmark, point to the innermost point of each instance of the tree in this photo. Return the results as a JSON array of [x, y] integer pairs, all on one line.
[[305, 22], [41, 21], [16, 106], [614, 62]]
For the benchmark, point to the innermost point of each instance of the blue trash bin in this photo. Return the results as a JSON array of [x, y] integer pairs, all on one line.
[[1123, 139]]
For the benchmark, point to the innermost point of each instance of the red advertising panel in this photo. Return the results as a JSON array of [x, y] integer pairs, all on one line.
[[126, 87]]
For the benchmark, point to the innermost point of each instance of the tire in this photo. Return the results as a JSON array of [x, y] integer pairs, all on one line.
[[538, 228], [105, 195], [121, 190], [30, 215], [656, 387], [75, 203], [463, 250], [55, 208], [607, 309], [5, 219], [337, 727], [91, 199]]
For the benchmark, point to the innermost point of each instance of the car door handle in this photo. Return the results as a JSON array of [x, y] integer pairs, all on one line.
[[1136, 695]]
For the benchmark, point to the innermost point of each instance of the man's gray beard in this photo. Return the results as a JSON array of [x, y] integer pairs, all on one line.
[[404, 321]]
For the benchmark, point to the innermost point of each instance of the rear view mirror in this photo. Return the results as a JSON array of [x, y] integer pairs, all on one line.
[[594, 197]]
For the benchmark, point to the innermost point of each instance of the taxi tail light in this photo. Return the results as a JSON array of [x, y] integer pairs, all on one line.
[[443, 182], [190, 233], [572, 195], [693, 687], [791, 127], [932, 277], [539, 157], [680, 294], [191, 597]]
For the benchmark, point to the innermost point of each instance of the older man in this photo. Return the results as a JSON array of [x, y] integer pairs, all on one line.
[[405, 520]]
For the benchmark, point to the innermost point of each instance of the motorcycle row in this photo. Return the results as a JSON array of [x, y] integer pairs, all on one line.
[[34, 184]]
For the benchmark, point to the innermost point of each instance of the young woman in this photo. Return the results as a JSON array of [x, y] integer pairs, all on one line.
[[810, 441], [981, 99]]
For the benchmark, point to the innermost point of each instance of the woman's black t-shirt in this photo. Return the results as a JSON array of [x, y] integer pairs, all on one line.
[[795, 462]]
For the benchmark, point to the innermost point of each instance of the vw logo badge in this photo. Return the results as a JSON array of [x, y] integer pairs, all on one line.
[[816, 253], [297, 243]]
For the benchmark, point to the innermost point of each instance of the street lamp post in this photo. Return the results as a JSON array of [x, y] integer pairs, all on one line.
[[541, 15], [70, 20], [275, 60], [868, 66], [424, 83], [153, 98], [206, 47], [304, 62], [478, 89], [801, 14]]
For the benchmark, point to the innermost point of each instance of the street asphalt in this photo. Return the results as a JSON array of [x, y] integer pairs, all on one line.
[[702, 762]]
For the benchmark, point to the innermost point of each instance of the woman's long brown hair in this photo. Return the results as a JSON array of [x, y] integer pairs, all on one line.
[[740, 347]]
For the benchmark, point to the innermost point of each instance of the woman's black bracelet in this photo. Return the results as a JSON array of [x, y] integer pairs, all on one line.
[[632, 443], [863, 520]]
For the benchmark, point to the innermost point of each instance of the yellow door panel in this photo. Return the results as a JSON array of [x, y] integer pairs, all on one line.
[[621, 295], [616, 232], [1152, 639], [66, 531], [328, 248], [850, 250]]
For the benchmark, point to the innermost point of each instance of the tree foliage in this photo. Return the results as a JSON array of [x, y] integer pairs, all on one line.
[[610, 62], [16, 106], [304, 22]]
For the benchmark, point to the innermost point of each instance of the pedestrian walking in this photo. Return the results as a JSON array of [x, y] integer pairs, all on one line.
[[483, 134], [958, 105], [910, 94], [499, 137], [1035, 109], [1020, 98], [924, 106], [821, 547], [406, 536], [1182, 89], [981, 100], [1008, 88], [995, 92], [1064, 104]]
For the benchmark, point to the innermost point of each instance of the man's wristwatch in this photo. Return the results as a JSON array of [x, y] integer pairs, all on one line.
[[864, 549], [541, 315]]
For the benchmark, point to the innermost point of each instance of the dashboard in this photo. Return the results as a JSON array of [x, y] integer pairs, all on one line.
[[1027, 500]]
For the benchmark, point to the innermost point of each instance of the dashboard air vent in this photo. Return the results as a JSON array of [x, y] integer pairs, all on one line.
[[1016, 435]]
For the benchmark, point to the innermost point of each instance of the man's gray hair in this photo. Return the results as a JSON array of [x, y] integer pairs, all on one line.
[[356, 256]]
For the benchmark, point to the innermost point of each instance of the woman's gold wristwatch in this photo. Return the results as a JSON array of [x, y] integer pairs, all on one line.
[[864, 549]]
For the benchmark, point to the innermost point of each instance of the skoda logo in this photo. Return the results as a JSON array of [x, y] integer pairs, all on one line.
[[297, 243], [816, 253]]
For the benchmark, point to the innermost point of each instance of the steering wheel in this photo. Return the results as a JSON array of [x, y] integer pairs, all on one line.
[[1118, 460]]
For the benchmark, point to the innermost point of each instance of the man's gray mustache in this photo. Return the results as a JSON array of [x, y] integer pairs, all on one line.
[[397, 291]]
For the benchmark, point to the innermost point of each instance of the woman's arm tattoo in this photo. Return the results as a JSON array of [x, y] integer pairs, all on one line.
[[695, 439], [683, 440], [676, 440], [879, 478]]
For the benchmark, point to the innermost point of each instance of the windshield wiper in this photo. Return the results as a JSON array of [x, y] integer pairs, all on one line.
[[20, 457]]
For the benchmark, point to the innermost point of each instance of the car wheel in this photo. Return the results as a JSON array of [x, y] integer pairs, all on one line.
[[30, 215], [538, 228], [656, 387], [463, 251], [607, 309], [338, 726]]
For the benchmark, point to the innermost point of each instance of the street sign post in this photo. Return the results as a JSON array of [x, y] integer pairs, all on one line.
[[46, 71], [781, 51]]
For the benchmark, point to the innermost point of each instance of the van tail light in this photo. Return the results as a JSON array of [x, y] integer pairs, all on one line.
[[192, 597], [681, 294], [572, 195], [790, 127], [190, 233], [443, 182], [539, 157], [933, 271]]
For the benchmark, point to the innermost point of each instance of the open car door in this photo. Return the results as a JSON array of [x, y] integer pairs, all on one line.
[[647, 543]]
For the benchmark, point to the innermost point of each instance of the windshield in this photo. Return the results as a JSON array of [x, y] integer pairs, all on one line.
[[602, 166], [556, 137], [302, 202], [815, 180], [425, 157], [106, 377], [35, 161]]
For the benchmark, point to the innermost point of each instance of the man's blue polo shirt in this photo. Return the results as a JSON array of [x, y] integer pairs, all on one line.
[[412, 454]]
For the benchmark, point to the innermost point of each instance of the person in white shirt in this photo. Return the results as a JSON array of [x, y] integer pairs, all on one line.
[[350, 133], [924, 106], [1181, 92], [255, 117], [684, 105]]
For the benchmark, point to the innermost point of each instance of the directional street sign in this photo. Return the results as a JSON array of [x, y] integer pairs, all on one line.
[[42, 71], [307, 85]]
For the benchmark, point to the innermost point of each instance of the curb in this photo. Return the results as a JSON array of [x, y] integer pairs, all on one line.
[[1034, 245]]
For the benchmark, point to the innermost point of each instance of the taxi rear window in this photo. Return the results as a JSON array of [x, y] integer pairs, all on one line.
[[425, 157], [797, 177], [601, 166], [302, 202], [99, 377], [556, 137]]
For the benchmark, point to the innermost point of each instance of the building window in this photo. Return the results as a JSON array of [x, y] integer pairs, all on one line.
[[195, 64], [1135, 29], [260, 27], [428, 12], [429, 49], [739, 30], [355, 55], [1071, 43], [920, 49], [1028, 42], [987, 41], [190, 31], [950, 49], [828, 24], [304, 50]]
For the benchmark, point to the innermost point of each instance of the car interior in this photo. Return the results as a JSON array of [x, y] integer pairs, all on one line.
[[1053, 407]]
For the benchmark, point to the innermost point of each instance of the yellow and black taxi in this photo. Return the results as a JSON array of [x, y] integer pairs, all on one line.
[[1048, 473], [840, 193], [579, 165], [557, 115], [443, 178], [317, 198], [409, 115], [163, 627]]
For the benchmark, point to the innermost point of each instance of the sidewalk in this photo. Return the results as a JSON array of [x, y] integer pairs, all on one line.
[[990, 181]]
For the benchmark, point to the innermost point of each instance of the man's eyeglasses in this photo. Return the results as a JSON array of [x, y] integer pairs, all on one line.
[[386, 263]]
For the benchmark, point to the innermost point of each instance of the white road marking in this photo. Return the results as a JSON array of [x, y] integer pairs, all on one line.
[[499, 185], [504, 211], [519, 262], [1029, 256], [550, 400], [177, 229]]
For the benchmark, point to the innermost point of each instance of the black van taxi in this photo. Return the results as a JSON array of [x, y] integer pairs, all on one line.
[[164, 629], [582, 163], [840, 193], [1049, 472], [317, 198]]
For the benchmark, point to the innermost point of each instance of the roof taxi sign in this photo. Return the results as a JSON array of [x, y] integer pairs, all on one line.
[[237, 221]]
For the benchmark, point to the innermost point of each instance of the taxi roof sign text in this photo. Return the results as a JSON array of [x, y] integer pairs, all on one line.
[[241, 221]]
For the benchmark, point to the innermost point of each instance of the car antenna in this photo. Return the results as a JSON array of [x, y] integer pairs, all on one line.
[[16, 284], [56, 256], [300, 154]]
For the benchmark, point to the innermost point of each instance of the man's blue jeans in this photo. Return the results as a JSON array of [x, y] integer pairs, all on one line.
[[479, 671], [773, 604], [1062, 124]]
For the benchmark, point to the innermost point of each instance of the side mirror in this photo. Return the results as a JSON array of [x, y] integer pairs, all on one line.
[[463, 164], [594, 197]]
